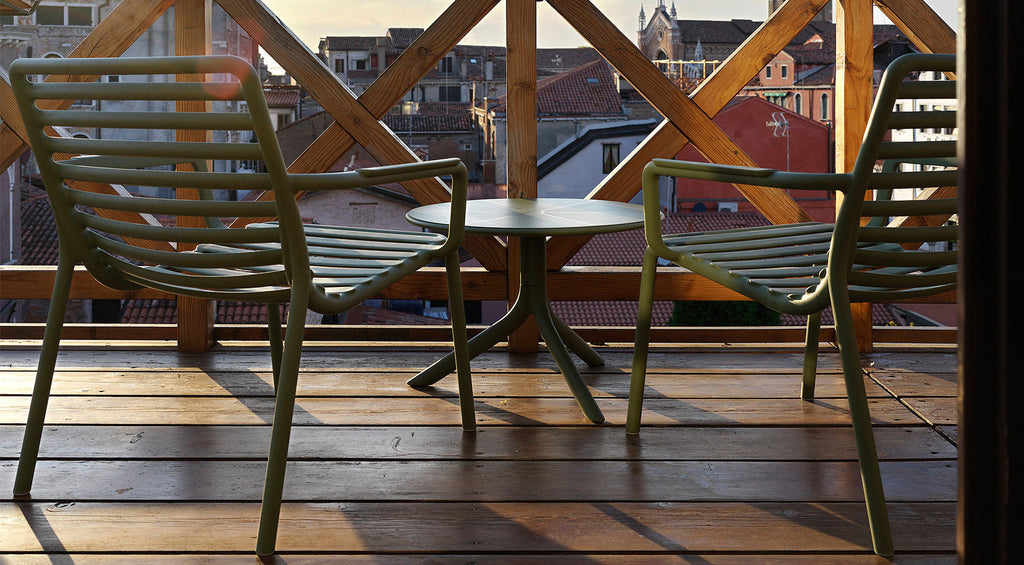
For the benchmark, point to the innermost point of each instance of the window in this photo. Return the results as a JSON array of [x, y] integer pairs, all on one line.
[[79, 15], [768, 72], [50, 15], [339, 66], [6, 20], [449, 94], [609, 156], [447, 65], [784, 71], [360, 65], [798, 104], [824, 106]]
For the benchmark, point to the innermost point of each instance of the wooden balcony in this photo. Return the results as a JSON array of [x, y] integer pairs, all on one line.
[[158, 456], [157, 440]]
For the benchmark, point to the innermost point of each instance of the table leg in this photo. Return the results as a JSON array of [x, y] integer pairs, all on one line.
[[577, 344], [478, 344], [532, 300]]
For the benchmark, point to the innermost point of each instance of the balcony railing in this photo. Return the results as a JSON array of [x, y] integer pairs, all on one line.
[[688, 119]]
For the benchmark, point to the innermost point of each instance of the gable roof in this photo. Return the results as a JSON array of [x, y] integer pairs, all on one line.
[[590, 134]]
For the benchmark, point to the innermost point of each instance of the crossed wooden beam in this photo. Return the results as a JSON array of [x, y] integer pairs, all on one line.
[[688, 118]]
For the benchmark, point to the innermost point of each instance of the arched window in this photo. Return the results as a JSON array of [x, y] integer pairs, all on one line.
[[824, 106], [798, 104]]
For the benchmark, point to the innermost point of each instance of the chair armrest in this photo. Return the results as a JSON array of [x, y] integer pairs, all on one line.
[[754, 176], [372, 176], [751, 176], [398, 173]]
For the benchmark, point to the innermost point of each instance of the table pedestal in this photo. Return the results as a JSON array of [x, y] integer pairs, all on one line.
[[532, 300]]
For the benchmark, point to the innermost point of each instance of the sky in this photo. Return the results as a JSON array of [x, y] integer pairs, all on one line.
[[312, 19]]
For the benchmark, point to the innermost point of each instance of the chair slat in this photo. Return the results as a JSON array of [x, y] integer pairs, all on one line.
[[210, 150], [212, 91], [908, 234], [147, 120], [175, 207], [178, 179], [171, 233]]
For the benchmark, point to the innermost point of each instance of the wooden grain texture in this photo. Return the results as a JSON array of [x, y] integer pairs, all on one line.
[[159, 454], [919, 22], [193, 21], [432, 443], [854, 95], [520, 528]]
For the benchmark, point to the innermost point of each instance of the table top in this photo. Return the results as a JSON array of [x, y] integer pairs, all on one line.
[[535, 216]]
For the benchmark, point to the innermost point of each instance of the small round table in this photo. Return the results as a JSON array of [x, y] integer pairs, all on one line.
[[533, 220]]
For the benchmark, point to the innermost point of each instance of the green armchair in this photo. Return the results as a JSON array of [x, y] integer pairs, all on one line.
[[870, 254]]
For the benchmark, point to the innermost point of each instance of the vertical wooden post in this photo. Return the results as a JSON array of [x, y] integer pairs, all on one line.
[[192, 30], [521, 87], [854, 96]]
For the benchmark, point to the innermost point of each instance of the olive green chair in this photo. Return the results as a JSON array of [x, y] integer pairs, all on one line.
[[804, 268], [276, 260]]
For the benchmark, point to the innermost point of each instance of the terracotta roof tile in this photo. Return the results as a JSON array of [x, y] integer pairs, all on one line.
[[278, 97], [38, 229], [588, 90]]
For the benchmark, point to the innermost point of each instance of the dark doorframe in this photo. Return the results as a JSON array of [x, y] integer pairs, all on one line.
[[990, 529]]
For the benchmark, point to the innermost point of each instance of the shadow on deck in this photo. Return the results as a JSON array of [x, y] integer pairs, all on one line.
[[156, 456]]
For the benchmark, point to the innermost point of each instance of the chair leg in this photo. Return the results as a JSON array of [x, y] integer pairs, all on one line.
[[640, 347], [871, 477], [811, 356], [44, 376], [274, 336], [461, 343], [284, 406]]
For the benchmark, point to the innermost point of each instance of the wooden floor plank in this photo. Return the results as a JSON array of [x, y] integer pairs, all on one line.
[[609, 382], [680, 360], [452, 481], [518, 411], [537, 443], [428, 527]]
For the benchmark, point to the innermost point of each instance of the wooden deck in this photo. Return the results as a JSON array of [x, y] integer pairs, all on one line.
[[157, 457]]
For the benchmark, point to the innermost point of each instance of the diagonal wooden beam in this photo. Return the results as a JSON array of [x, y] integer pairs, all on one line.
[[361, 123], [713, 94], [111, 37], [920, 24]]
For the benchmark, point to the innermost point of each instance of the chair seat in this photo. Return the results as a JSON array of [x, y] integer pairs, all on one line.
[[348, 260], [771, 263]]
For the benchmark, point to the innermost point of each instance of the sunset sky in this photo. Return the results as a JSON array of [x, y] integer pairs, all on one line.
[[312, 19]]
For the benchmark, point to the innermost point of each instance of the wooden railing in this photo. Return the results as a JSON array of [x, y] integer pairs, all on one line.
[[688, 119]]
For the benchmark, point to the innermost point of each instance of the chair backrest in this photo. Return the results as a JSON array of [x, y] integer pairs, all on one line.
[[162, 126], [889, 248]]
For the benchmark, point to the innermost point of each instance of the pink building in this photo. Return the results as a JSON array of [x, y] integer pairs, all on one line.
[[773, 137]]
